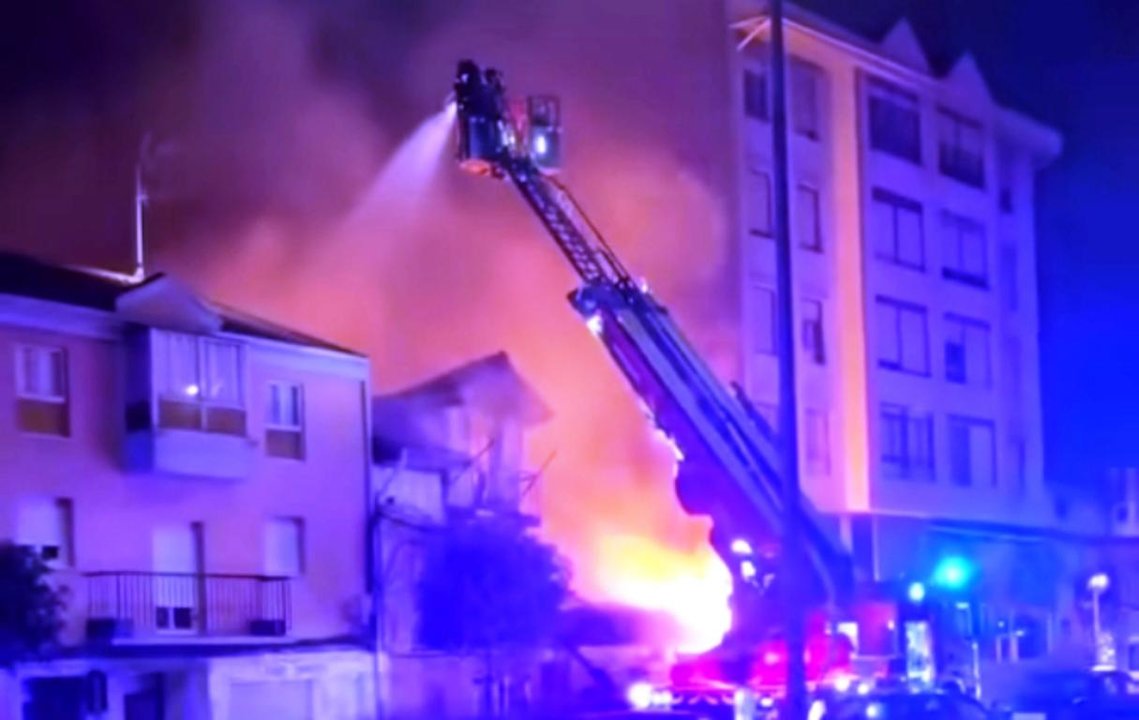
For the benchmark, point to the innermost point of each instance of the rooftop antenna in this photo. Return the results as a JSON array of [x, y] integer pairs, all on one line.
[[140, 202]]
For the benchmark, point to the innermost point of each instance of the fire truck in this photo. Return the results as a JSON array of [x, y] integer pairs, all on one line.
[[728, 453]]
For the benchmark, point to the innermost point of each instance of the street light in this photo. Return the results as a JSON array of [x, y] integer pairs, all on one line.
[[1097, 586]]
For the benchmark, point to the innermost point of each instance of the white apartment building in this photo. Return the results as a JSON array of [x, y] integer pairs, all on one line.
[[912, 211]]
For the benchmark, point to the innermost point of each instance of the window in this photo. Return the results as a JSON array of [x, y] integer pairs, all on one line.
[[807, 208], [1018, 462], [200, 384], [755, 94], [895, 121], [805, 99], [46, 525], [965, 250], [1006, 174], [971, 452], [960, 148], [907, 444], [284, 547], [812, 328], [1010, 288], [41, 390], [897, 230], [765, 320], [903, 334], [818, 443], [284, 421], [967, 356], [758, 201]]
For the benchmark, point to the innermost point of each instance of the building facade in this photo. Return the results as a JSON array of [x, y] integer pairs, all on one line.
[[197, 480], [913, 224], [449, 450]]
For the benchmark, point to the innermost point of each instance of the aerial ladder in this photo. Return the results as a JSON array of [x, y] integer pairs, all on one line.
[[728, 454]]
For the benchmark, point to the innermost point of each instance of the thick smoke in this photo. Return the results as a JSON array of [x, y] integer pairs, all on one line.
[[287, 114]]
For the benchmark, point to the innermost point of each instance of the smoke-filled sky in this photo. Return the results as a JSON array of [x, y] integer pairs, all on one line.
[[287, 111]]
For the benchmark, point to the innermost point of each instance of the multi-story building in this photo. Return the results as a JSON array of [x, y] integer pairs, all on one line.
[[197, 479], [912, 217]]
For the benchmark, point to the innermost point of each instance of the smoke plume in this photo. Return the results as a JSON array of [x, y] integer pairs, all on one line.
[[286, 114]]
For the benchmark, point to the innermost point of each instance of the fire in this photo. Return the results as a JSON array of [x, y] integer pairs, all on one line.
[[691, 587]]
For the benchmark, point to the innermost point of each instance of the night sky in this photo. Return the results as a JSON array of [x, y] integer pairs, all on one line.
[[76, 76]]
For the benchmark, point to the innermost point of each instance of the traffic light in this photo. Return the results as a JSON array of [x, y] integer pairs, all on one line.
[[953, 573]]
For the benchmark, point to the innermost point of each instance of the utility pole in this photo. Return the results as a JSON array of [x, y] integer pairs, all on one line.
[[796, 708]]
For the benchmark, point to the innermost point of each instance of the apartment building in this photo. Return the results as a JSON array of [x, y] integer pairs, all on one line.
[[448, 450], [912, 217], [197, 479]]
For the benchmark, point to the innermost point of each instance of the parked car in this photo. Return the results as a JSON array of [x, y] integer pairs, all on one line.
[[1076, 695], [903, 705]]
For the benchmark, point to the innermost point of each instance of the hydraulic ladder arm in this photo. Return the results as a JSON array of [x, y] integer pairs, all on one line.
[[728, 454]]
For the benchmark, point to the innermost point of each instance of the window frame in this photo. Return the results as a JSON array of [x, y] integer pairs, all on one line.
[[299, 403], [954, 227], [805, 113], [762, 112], [21, 381], [63, 510], [812, 330], [900, 307], [806, 192], [883, 95], [964, 324], [969, 422], [904, 466], [897, 204], [950, 155], [758, 174]]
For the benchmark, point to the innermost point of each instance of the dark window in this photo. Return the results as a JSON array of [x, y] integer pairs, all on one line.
[[898, 234], [907, 444], [895, 121], [805, 99], [903, 336], [967, 355], [755, 94], [972, 450], [965, 251], [961, 149], [807, 207], [814, 345]]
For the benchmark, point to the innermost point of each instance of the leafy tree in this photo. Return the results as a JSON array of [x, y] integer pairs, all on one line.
[[489, 589], [31, 610]]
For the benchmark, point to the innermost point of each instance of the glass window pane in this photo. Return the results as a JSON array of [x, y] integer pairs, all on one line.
[[223, 373], [889, 341], [909, 232]]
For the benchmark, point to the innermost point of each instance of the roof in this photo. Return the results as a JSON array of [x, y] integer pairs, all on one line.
[[25, 276], [490, 384], [901, 48]]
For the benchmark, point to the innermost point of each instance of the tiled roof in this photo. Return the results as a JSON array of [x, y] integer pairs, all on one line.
[[25, 276]]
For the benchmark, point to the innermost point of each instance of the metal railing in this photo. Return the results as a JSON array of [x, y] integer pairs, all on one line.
[[143, 604]]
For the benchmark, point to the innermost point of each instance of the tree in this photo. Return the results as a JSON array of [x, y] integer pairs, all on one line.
[[489, 589], [31, 610]]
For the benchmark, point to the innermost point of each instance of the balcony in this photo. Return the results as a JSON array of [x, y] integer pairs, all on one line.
[[173, 607]]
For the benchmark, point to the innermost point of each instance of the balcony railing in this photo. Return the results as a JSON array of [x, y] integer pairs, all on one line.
[[185, 605]]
